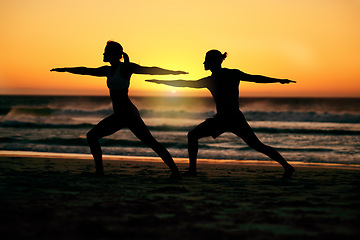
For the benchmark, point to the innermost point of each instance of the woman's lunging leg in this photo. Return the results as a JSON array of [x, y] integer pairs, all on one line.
[[104, 128], [140, 130], [96, 151]]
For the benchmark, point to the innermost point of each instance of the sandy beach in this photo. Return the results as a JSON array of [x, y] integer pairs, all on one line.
[[56, 197]]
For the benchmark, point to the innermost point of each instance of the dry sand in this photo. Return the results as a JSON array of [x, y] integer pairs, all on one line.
[[53, 197]]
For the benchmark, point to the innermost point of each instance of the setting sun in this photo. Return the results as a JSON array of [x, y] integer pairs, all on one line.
[[316, 43]]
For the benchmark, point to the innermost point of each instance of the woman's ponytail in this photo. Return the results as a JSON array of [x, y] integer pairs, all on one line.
[[126, 58], [224, 55]]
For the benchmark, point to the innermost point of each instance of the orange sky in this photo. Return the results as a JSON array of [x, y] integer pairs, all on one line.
[[316, 43]]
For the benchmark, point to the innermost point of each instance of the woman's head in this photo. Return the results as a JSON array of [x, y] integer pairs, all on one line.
[[114, 51], [213, 59]]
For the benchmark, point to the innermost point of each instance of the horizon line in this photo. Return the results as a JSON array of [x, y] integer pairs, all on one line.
[[168, 96]]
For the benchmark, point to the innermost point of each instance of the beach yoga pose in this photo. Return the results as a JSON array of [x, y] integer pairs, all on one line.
[[125, 113], [224, 87]]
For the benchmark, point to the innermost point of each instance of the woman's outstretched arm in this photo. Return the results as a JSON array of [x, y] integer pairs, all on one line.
[[201, 83], [98, 72], [135, 68]]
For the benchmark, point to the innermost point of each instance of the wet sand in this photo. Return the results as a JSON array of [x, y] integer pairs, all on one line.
[[53, 197]]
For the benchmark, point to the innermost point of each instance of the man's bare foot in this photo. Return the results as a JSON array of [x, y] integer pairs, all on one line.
[[91, 174], [190, 174], [288, 172], [99, 173], [175, 176]]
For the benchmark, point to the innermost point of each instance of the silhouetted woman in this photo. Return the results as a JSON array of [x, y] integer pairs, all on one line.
[[224, 87], [125, 113]]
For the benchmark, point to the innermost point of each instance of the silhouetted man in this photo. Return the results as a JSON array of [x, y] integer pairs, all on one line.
[[224, 87]]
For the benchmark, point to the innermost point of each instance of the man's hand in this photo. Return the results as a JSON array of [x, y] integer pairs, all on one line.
[[286, 81], [154, 81]]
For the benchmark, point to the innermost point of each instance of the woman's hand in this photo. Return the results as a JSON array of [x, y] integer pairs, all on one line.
[[179, 72], [58, 70]]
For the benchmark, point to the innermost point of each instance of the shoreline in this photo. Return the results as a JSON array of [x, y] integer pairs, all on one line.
[[57, 197], [80, 156]]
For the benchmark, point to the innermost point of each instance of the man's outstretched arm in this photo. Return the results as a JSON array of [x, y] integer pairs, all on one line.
[[263, 79], [135, 68], [201, 83]]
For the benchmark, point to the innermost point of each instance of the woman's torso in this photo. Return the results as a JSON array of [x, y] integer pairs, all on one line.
[[118, 83], [117, 79]]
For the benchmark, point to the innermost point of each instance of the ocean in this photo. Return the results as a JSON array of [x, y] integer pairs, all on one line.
[[310, 130]]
